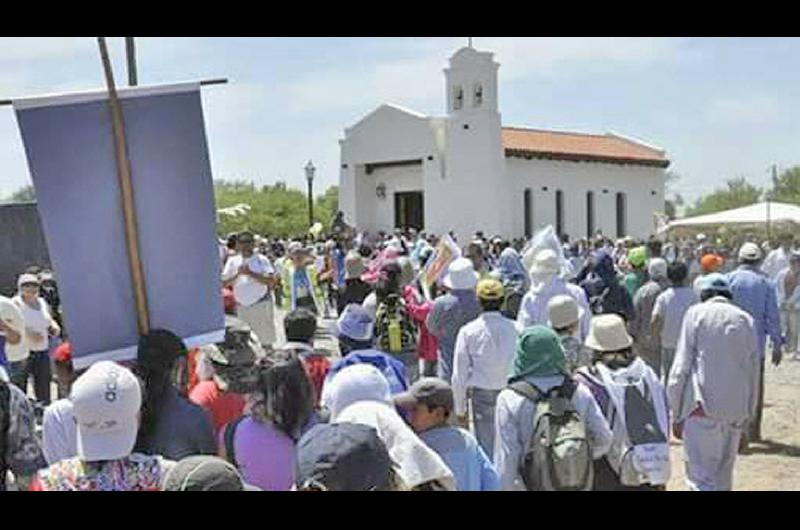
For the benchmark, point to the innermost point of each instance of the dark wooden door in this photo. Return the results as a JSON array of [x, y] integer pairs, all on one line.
[[409, 210]]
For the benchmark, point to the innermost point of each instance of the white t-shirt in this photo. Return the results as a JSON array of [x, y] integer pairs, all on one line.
[[671, 306], [12, 316], [38, 320], [59, 432], [247, 291]]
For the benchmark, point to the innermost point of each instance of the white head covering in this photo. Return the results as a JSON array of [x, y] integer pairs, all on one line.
[[657, 268], [358, 382], [544, 270], [417, 463]]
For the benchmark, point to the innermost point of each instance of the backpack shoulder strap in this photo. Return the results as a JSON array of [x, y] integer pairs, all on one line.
[[526, 390], [568, 387], [228, 436]]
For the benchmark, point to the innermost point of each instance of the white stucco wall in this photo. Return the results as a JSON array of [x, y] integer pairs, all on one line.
[[388, 134], [577, 178]]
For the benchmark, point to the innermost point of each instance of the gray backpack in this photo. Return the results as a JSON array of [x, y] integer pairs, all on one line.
[[558, 456]]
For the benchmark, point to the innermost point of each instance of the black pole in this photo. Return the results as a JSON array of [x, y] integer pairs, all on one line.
[[310, 203], [130, 52]]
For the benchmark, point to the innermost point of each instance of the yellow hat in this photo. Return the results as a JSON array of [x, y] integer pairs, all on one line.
[[489, 289]]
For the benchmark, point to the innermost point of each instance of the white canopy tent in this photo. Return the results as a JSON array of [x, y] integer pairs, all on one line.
[[762, 213]]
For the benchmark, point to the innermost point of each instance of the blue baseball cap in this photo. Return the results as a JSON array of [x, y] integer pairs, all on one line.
[[715, 281]]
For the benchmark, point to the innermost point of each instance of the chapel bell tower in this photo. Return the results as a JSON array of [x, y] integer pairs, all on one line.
[[475, 161]]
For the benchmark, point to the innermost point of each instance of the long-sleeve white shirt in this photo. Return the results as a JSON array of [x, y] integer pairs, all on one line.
[[514, 417], [716, 363], [485, 350], [775, 262]]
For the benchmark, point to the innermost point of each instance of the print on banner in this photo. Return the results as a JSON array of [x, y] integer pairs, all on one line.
[[70, 151], [446, 251]]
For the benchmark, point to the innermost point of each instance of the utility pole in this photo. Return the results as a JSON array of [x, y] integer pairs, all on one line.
[[130, 53], [774, 181]]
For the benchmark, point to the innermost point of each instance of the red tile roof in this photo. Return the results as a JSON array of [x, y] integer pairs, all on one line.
[[579, 147]]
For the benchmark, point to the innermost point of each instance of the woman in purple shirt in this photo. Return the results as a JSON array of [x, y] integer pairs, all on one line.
[[262, 444]]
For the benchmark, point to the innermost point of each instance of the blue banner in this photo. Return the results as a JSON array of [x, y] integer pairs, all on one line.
[[70, 152]]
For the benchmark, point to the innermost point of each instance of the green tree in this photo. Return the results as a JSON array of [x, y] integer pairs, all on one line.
[[274, 209], [786, 187], [736, 193], [672, 198], [24, 194]]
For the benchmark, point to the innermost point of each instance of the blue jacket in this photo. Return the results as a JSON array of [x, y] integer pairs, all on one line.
[[755, 293], [463, 455]]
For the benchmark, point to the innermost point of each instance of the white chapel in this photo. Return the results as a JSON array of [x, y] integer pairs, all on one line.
[[467, 172]]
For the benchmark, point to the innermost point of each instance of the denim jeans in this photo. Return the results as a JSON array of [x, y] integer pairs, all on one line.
[[483, 404], [38, 367]]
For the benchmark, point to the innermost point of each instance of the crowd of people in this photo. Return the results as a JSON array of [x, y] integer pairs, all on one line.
[[547, 364]]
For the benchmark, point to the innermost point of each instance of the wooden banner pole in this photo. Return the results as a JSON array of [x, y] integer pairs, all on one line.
[[128, 205]]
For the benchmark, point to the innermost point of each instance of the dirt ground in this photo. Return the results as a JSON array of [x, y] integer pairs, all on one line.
[[774, 463]]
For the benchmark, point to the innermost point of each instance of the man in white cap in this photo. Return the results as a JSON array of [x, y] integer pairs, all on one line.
[[564, 317], [753, 292], [106, 401], [39, 327], [713, 384], [545, 284], [452, 311], [646, 344], [252, 276]]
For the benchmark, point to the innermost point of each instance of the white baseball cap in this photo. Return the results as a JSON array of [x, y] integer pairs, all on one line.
[[27, 278], [105, 403], [749, 252], [461, 275]]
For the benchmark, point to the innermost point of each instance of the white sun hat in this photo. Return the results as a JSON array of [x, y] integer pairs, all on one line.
[[608, 333], [562, 311], [461, 275]]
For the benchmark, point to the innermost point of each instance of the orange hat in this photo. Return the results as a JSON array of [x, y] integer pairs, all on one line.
[[710, 263]]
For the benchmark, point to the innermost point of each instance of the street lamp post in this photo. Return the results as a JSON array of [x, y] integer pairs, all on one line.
[[310, 170]]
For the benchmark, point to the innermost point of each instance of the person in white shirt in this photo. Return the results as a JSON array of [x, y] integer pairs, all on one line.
[[778, 259], [545, 284], [482, 359], [252, 275], [713, 385], [12, 329], [39, 327], [787, 287], [539, 361], [668, 313]]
